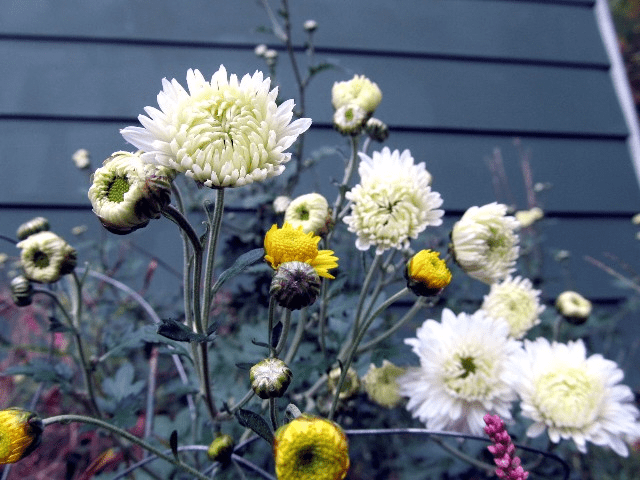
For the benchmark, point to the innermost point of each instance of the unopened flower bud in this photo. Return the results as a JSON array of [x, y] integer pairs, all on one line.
[[20, 434], [351, 384], [221, 449], [529, 217], [35, 225], [381, 384], [310, 26], [280, 203], [127, 193], [295, 285], [349, 119], [359, 91], [260, 50], [81, 158], [45, 257], [573, 307], [270, 378], [427, 274], [21, 291], [376, 129]]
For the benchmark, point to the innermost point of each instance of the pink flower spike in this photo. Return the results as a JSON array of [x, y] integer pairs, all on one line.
[[503, 450]]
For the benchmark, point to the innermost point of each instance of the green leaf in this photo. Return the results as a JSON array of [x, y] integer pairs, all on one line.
[[173, 442], [243, 261], [56, 326], [256, 423], [43, 371]]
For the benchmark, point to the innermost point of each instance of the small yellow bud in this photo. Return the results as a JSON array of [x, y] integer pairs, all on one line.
[[427, 274], [20, 434], [221, 449]]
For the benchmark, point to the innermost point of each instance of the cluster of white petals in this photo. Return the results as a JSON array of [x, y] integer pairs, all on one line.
[[573, 396], [516, 301], [222, 133], [308, 211], [393, 201], [359, 91], [463, 373], [485, 242]]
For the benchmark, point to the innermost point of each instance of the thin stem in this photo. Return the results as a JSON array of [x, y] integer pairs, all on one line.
[[212, 243], [297, 337], [488, 468], [286, 321], [419, 303], [348, 173], [353, 348], [127, 436], [272, 413], [272, 309]]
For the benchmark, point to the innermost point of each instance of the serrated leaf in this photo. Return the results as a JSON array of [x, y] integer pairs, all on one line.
[[243, 261], [256, 423]]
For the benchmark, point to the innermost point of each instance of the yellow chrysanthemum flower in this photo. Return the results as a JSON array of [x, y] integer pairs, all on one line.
[[20, 434], [287, 244], [427, 273], [311, 448]]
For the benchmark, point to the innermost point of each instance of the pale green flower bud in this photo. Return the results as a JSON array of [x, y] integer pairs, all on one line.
[[270, 378], [310, 26], [295, 285], [529, 217], [45, 257], [35, 225], [21, 291], [221, 449], [127, 193]]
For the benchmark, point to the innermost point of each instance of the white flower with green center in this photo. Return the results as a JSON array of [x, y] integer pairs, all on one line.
[[485, 243], [393, 201], [516, 301], [573, 396], [310, 211], [222, 133], [45, 257], [126, 192], [463, 372]]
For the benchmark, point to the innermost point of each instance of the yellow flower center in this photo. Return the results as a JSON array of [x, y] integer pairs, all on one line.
[[117, 188], [568, 397], [287, 244]]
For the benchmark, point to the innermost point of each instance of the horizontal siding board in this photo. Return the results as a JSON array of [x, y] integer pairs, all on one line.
[[579, 236], [116, 80], [495, 29], [46, 175]]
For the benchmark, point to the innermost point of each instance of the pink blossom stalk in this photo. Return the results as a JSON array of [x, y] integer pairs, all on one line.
[[503, 450]]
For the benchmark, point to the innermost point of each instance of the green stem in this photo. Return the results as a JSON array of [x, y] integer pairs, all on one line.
[[419, 303], [126, 435], [286, 322], [272, 413], [272, 309], [348, 173], [297, 337], [354, 346]]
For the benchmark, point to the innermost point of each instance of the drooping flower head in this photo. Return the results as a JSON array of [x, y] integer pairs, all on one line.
[[393, 201], [127, 193], [463, 371], [288, 244], [359, 91], [426, 273], [516, 301], [222, 133], [20, 434], [45, 257], [573, 396], [311, 448], [485, 243]]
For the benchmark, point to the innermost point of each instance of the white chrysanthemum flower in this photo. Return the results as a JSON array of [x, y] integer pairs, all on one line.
[[516, 301], [393, 201], [126, 192], [310, 211], [574, 396], [463, 372], [359, 91], [350, 119], [223, 133], [484, 242], [45, 257]]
